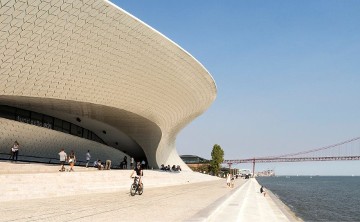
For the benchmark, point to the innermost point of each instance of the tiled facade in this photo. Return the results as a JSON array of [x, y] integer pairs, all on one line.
[[92, 60]]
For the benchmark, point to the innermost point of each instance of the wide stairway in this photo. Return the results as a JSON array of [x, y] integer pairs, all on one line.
[[30, 181]]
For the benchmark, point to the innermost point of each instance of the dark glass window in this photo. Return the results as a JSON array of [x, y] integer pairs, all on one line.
[[23, 116], [86, 134], [58, 124], [66, 127], [96, 138], [7, 115], [8, 109], [48, 121], [36, 119], [23, 113], [76, 130], [36, 116], [7, 112]]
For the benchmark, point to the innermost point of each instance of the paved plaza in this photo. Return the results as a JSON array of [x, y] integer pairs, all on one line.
[[192, 200]]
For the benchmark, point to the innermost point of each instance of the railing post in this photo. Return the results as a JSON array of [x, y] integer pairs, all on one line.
[[253, 167]]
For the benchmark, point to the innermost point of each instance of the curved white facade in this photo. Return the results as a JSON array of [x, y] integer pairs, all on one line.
[[92, 60]]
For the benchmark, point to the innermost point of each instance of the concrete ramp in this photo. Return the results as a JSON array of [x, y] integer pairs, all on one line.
[[247, 204], [20, 181]]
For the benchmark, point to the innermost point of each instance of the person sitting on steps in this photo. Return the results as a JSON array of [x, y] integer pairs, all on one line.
[[262, 190]]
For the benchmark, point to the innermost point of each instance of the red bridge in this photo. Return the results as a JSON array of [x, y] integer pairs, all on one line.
[[346, 150]]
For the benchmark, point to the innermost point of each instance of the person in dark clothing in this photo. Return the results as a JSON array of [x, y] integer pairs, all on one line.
[[139, 174], [262, 190]]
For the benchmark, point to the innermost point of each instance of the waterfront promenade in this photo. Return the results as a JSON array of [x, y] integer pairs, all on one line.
[[184, 196]]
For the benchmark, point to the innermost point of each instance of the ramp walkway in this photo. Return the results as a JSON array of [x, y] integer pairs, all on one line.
[[247, 204], [92, 195]]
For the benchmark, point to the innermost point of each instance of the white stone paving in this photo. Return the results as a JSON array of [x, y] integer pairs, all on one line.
[[247, 204], [90, 195]]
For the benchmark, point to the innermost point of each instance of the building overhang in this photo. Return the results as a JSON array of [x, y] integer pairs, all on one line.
[[93, 59]]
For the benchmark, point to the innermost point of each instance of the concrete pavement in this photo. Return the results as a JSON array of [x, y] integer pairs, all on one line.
[[185, 196], [247, 204]]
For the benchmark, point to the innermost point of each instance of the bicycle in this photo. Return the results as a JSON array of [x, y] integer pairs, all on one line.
[[135, 187]]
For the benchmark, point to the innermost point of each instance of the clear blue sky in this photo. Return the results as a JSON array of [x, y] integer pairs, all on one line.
[[287, 72]]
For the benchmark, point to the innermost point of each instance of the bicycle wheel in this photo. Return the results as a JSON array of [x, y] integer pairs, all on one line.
[[141, 190], [133, 189]]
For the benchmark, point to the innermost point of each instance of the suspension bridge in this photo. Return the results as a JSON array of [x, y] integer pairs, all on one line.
[[346, 150]]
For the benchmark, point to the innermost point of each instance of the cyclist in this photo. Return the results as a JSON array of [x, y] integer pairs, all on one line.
[[139, 173]]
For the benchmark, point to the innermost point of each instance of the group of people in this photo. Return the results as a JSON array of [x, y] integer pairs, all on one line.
[[124, 163], [71, 159], [173, 168], [98, 164]]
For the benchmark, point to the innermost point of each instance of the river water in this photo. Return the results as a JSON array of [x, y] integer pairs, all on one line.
[[318, 198]]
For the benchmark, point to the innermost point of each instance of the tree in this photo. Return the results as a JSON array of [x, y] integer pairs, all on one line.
[[217, 157]]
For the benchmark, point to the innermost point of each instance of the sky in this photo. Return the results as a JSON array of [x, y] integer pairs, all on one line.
[[287, 75]]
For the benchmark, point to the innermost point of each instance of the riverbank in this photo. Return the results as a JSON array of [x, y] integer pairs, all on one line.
[[283, 207]]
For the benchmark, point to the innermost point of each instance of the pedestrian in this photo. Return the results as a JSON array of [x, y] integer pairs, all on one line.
[[107, 164], [99, 165], [143, 164], [132, 162], [262, 190], [15, 151], [124, 166], [228, 178], [63, 158], [88, 157], [72, 160]]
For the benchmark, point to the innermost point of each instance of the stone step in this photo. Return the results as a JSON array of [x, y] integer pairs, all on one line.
[[31, 184]]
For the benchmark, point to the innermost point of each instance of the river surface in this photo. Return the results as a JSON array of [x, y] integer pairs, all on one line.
[[318, 198]]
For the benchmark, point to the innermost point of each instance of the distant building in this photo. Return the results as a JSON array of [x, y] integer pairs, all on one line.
[[196, 163], [266, 173], [245, 173]]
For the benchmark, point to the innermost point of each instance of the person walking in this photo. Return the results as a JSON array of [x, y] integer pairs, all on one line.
[[131, 162], [88, 157], [63, 158], [72, 160], [125, 163], [228, 180], [15, 151]]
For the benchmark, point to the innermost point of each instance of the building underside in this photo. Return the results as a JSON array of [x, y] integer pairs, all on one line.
[[86, 75]]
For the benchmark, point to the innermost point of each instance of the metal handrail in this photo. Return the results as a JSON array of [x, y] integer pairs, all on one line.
[[42, 159]]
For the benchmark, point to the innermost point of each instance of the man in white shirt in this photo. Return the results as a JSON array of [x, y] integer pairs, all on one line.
[[88, 157], [63, 158]]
